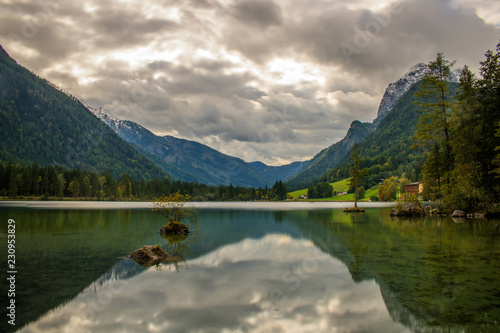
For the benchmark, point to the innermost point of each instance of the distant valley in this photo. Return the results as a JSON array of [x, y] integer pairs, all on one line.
[[43, 124]]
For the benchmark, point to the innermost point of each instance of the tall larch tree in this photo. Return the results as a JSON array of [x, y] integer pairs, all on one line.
[[433, 128], [488, 120]]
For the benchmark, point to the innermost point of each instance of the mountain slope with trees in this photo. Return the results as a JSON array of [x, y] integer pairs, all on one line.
[[195, 162], [40, 123], [331, 156], [444, 134], [282, 172], [387, 151]]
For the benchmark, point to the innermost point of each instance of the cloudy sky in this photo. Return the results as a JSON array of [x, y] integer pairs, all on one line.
[[269, 80]]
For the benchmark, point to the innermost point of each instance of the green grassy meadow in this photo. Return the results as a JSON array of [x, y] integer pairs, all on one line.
[[340, 186]]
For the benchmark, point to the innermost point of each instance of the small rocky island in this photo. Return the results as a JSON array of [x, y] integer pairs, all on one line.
[[174, 228], [417, 209], [409, 209], [354, 210], [149, 255], [174, 209]]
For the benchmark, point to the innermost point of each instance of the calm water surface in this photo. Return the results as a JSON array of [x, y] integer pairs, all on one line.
[[280, 269]]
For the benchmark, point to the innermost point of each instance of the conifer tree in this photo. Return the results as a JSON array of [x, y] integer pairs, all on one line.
[[496, 160], [433, 128], [488, 120], [356, 172], [465, 191]]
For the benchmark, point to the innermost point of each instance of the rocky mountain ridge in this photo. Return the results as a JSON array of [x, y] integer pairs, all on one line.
[[195, 162], [396, 90]]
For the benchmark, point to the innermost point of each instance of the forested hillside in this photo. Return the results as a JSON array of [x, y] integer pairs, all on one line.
[[331, 156], [443, 134], [192, 161], [39, 122], [387, 151]]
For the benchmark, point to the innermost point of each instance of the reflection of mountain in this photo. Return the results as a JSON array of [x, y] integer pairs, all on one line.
[[432, 273], [77, 249], [271, 284]]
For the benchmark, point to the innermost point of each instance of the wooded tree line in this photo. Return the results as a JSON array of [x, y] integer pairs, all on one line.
[[321, 190], [52, 182], [460, 135]]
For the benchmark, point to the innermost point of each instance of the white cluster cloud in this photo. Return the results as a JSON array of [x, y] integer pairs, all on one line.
[[270, 80]]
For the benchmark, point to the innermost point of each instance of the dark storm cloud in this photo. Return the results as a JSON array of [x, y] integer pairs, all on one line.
[[250, 93], [260, 13], [370, 42], [186, 81], [204, 4], [48, 43], [212, 65], [209, 113], [124, 27]]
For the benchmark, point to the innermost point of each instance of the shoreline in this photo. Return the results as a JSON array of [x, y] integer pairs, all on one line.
[[235, 205]]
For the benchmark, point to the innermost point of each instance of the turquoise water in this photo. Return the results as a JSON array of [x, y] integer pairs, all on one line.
[[265, 270]]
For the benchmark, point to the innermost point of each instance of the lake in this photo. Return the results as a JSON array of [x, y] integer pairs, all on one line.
[[251, 267]]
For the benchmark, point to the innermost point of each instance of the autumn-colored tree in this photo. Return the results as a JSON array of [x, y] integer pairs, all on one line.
[[175, 207], [388, 190]]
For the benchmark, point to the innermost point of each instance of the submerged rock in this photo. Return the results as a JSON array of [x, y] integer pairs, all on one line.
[[174, 228], [149, 255]]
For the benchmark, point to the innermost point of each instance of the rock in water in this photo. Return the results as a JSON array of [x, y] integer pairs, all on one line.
[[354, 210], [395, 212], [459, 213], [149, 255], [408, 209], [174, 228]]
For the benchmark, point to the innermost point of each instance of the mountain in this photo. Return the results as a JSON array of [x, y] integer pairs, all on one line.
[[388, 136], [329, 157], [387, 151], [282, 172], [397, 89], [135, 134], [192, 161], [39, 122]]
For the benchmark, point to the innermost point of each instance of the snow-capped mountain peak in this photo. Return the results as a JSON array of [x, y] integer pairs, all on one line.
[[397, 89]]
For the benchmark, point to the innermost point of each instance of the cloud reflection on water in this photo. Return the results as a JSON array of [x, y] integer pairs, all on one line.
[[272, 284]]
